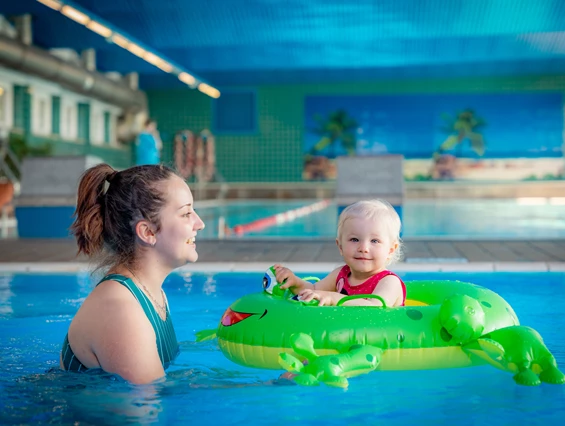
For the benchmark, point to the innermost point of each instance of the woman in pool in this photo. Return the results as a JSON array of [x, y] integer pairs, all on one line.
[[139, 224]]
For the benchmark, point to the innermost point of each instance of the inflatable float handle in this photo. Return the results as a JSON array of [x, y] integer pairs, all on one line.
[[362, 296]]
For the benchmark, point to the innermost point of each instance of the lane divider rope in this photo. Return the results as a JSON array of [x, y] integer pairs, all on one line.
[[280, 218]]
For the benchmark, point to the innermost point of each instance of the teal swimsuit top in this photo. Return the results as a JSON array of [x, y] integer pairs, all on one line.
[[166, 341]]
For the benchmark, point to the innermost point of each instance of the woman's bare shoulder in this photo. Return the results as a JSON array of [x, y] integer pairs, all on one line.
[[109, 306]]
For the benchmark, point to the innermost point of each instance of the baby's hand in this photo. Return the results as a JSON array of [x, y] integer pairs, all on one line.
[[325, 298], [286, 277]]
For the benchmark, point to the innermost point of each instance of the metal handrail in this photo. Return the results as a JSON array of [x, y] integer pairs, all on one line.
[[6, 152], [7, 222]]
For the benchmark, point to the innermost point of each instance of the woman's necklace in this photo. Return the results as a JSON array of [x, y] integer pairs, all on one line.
[[162, 308]]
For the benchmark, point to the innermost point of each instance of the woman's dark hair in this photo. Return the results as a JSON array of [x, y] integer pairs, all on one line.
[[110, 203]]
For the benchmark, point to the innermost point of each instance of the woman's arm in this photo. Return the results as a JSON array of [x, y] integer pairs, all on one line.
[[125, 343], [112, 332]]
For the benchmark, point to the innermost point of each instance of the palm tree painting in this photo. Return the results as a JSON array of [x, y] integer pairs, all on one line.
[[337, 126], [464, 127]]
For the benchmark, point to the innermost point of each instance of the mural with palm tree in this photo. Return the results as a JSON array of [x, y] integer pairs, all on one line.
[[463, 127], [338, 126], [456, 145]]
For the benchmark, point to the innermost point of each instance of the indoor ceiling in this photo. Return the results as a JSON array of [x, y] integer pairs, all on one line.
[[255, 42]]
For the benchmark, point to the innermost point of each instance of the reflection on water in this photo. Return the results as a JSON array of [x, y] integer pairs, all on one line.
[[67, 398], [99, 398]]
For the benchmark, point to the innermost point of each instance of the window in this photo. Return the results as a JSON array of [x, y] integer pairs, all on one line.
[[56, 115], [83, 128], [107, 127], [22, 108]]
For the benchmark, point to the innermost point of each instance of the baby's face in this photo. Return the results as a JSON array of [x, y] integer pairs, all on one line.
[[366, 244]]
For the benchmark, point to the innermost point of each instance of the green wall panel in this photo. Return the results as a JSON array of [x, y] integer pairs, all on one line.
[[275, 154]]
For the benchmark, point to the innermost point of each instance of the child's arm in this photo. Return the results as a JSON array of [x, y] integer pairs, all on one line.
[[324, 297], [296, 285]]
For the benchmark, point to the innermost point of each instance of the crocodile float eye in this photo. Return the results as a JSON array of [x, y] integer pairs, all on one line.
[[266, 282], [269, 281]]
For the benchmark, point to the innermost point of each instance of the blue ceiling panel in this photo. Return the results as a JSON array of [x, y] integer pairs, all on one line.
[[251, 42]]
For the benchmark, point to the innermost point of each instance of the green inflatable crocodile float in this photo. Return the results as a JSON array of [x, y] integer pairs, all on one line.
[[445, 324]]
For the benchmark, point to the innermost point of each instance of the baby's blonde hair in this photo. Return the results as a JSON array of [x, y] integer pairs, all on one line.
[[377, 210]]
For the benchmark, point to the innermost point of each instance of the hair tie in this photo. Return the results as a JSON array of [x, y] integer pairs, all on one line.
[[108, 181]]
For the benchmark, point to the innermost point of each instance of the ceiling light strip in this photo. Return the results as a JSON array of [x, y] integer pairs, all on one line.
[[53, 4], [75, 15], [83, 18]]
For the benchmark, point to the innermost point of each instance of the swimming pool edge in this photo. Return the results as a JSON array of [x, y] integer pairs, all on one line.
[[68, 267]]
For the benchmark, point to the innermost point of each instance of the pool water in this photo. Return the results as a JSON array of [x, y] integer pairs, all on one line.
[[203, 387], [454, 219]]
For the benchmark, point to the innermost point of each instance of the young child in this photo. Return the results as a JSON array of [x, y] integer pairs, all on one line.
[[368, 238]]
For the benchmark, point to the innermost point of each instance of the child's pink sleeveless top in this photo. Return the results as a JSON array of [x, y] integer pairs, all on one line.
[[367, 287]]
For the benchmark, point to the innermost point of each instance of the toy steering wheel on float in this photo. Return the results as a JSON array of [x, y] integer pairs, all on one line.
[[271, 286]]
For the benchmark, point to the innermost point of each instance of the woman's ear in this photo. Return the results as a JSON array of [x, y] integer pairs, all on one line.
[[145, 233]]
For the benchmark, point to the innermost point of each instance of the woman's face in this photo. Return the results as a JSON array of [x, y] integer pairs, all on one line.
[[176, 240]]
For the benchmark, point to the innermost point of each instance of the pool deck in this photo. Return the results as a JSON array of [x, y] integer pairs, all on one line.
[[311, 255]]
